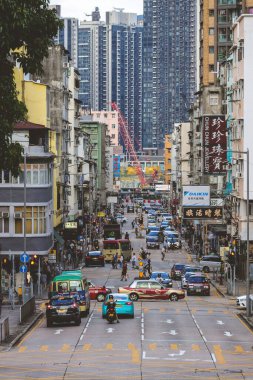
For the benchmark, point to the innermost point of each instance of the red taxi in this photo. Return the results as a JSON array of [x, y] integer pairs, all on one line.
[[150, 289], [98, 292]]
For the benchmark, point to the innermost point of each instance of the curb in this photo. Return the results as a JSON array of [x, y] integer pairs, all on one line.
[[217, 289], [20, 336], [245, 320]]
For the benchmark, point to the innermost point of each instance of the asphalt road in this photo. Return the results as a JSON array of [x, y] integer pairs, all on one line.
[[195, 338]]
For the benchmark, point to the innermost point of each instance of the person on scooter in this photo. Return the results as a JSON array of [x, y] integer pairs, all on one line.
[[112, 303]]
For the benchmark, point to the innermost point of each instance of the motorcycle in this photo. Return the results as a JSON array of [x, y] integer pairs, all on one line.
[[111, 314]]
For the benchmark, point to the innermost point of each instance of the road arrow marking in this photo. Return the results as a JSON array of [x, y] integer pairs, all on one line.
[[228, 333], [220, 323], [169, 321], [181, 353], [110, 330], [57, 332], [171, 332]]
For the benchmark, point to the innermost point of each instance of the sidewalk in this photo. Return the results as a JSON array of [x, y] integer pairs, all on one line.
[[17, 330]]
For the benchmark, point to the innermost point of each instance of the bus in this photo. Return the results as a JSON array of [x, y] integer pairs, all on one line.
[[72, 283], [121, 247]]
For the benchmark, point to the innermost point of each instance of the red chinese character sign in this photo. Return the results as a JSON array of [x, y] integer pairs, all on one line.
[[215, 144]]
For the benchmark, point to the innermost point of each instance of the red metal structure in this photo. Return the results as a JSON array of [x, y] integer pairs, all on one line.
[[129, 146]]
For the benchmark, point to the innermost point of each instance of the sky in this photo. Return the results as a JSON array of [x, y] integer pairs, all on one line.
[[78, 8]]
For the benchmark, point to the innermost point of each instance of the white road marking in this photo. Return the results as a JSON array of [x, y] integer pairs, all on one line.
[[81, 337], [228, 333], [110, 330], [181, 353], [214, 358], [57, 332], [220, 323], [145, 357], [171, 332], [168, 321]]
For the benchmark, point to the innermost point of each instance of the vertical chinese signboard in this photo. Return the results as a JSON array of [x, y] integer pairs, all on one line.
[[214, 144], [116, 166]]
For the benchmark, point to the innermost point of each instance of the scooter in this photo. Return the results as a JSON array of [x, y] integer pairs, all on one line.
[[111, 314]]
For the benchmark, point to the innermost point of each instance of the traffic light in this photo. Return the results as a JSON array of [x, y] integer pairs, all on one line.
[[231, 258], [6, 264], [34, 261]]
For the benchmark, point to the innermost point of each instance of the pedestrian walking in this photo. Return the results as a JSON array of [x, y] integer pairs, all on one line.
[[124, 271], [163, 253], [115, 261], [134, 260], [121, 260]]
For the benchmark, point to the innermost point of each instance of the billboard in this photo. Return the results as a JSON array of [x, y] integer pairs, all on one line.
[[214, 144], [202, 213], [162, 187], [196, 196]]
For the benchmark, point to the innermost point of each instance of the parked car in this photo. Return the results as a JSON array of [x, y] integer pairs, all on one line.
[[151, 289], [210, 262], [163, 278], [198, 284], [124, 306], [176, 271], [98, 292], [95, 258], [130, 209], [241, 301], [63, 309]]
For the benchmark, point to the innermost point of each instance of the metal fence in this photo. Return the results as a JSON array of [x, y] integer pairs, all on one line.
[[4, 329], [27, 309]]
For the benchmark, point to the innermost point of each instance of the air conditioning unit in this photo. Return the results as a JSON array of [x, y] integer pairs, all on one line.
[[18, 215], [6, 215], [224, 102], [65, 65], [238, 175]]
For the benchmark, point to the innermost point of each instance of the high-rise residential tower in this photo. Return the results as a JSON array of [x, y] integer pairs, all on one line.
[[110, 65], [169, 67]]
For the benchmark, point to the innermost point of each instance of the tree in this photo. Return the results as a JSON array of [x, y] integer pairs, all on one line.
[[27, 28]]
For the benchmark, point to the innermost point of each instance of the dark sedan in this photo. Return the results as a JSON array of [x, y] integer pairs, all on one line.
[[63, 309], [94, 258]]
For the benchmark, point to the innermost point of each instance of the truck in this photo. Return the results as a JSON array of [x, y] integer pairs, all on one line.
[[112, 231]]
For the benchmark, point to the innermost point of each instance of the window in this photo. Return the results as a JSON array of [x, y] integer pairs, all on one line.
[[211, 12], [35, 220], [113, 126], [211, 68], [211, 31], [211, 49], [113, 136], [4, 220]]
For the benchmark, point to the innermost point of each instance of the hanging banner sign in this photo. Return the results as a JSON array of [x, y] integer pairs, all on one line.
[[214, 144], [202, 213]]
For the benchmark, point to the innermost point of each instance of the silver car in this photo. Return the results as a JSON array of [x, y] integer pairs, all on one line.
[[210, 263]]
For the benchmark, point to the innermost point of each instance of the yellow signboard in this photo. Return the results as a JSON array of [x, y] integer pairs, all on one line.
[[101, 214]]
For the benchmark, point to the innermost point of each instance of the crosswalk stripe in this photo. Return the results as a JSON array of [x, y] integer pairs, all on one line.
[[218, 354], [174, 346], [86, 347], [152, 346], [239, 349], [22, 349], [195, 347], [109, 346], [65, 348], [44, 348]]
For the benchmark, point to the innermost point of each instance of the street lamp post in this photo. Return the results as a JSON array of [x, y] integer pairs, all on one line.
[[248, 306]]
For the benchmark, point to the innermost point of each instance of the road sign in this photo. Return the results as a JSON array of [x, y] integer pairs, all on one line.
[[24, 258], [23, 268]]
